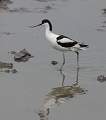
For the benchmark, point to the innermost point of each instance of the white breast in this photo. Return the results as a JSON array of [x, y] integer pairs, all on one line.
[[51, 37]]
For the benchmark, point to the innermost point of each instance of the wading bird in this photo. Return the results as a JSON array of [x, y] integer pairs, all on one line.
[[61, 42]]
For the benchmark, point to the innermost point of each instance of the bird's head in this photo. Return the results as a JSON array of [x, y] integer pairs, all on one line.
[[45, 22]]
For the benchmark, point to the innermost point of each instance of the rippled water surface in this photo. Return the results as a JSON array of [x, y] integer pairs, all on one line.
[[38, 90]]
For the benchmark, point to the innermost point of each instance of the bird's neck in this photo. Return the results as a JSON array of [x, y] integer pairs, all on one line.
[[48, 26], [47, 29]]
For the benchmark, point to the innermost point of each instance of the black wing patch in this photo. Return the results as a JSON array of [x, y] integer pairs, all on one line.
[[65, 44], [68, 44], [61, 37]]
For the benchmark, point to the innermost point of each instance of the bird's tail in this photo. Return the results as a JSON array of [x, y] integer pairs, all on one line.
[[83, 46]]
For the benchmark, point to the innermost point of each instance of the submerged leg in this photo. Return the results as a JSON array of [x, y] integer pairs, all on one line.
[[63, 77], [63, 61], [77, 71], [77, 76]]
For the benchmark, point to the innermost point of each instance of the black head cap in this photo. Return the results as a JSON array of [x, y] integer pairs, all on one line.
[[47, 21]]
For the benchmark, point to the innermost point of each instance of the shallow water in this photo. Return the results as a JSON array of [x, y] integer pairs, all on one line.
[[22, 94]]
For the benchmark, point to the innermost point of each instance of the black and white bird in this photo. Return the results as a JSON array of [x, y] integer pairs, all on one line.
[[60, 42]]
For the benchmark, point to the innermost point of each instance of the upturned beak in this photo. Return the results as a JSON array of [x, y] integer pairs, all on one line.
[[35, 25]]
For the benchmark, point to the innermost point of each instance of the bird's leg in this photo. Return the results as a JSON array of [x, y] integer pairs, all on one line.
[[63, 76], [63, 61], [77, 59], [63, 58], [77, 75]]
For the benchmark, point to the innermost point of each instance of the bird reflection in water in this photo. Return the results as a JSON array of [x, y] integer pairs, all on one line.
[[59, 95]]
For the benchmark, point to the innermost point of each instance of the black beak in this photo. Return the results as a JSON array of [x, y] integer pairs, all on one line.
[[35, 25]]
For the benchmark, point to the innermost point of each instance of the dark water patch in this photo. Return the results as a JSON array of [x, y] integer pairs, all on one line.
[[54, 62], [52, 4], [101, 30], [50, 0], [4, 4], [104, 11], [101, 78], [104, 22], [102, 27], [45, 9], [21, 56], [45, 0], [20, 10], [48, 7], [6, 33], [6, 67], [57, 96], [14, 71], [6, 1], [10, 71], [64, 0], [66, 92]]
